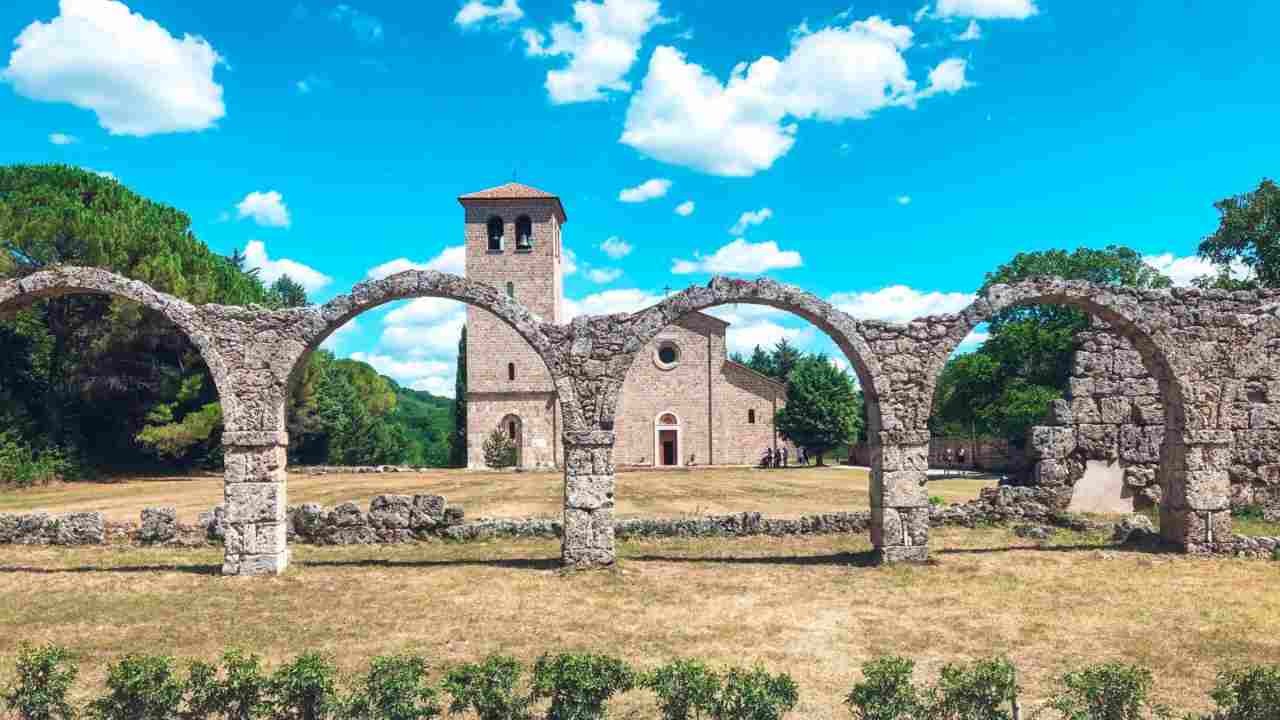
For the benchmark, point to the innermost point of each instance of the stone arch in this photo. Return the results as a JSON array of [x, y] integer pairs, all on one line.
[[69, 280], [844, 330]]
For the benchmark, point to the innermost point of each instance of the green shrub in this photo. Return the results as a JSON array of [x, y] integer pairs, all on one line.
[[936, 500], [1111, 691], [396, 688], [488, 689], [985, 690], [140, 687], [580, 685], [755, 695], [304, 689], [499, 449], [1247, 693], [886, 691], [685, 689], [45, 675], [240, 695], [25, 466]]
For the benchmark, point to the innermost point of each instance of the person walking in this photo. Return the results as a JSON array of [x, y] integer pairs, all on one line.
[[960, 458], [784, 456]]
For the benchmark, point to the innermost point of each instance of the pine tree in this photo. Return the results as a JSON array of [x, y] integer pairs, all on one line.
[[458, 440]]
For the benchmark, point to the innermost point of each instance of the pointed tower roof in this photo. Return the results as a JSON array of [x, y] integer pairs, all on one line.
[[515, 191]]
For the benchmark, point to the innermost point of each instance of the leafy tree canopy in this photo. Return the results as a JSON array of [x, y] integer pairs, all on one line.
[[1248, 234], [823, 409]]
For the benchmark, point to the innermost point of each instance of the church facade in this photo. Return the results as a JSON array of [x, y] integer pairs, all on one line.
[[684, 402]]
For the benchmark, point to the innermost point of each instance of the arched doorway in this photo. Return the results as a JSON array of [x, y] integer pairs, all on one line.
[[666, 440], [513, 428]]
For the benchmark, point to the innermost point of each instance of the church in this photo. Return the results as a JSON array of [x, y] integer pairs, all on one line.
[[684, 402]]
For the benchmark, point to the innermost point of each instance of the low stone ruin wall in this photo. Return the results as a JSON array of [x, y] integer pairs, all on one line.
[[393, 519]]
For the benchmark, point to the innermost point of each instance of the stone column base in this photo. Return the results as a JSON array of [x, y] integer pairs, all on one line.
[[900, 534], [1196, 531], [256, 541], [588, 501]]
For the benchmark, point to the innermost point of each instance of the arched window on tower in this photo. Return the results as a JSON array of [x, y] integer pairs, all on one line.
[[751, 416], [511, 371], [512, 429], [524, 233], [495, 233], [511, 290]]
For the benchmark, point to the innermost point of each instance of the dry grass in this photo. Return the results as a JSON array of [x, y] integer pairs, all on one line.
[[646, 493], [804, 605]]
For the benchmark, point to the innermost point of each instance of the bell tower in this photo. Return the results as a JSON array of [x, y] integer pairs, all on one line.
[[512, 235]]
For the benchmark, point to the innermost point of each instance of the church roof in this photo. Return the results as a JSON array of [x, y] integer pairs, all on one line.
[[515, 191]]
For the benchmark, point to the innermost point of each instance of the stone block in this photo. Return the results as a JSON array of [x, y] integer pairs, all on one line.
[[308, 520], [1097, 442], [1085, 410], [1140, 444], [891, 555], [428, 511], [1048, 441], [1200, 489], [159, 525], [255, 502], [589, 492], [887, 529], [8, 528], [391, 512], [1115, 410], [588, 538], [83, 528], [900, 489]]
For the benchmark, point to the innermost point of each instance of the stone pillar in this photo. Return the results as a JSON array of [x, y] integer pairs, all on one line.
[[899, 500], [256, 533], [588, 500], [1196, 512]]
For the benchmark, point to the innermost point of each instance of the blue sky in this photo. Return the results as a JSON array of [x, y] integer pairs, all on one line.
[[883, 155]]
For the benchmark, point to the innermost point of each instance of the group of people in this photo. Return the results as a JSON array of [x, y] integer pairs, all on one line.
[[779, 457], [947, 461]]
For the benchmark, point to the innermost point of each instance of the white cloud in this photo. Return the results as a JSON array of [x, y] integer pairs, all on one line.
[[366, 27], [265, 208], [1182, 270], [987, 9], [433, 376], [63, 139], [647, 190], [899, 303], [744, 338], [568, 262], [921, 14], [424, 311], [685, 209], [477, 11], [438, 339], [600, 51], [685, 116], [947, 77], [741, 257], [973, 340], [255, 256], [130, 71], [337, 337], [971, 33], [102, 173], [602, 276], [450, 260], [750, 219], [904, 199], [609, 302], [616, 248]]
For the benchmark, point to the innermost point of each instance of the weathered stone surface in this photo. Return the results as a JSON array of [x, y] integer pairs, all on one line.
[[391, 512], [159, 525], [82, 528], [428, 512], [1133, 528]]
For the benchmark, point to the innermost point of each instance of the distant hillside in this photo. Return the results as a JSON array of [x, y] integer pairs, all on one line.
[[427, 420]]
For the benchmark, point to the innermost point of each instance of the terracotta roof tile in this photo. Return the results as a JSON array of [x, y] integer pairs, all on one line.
[[514, 191]]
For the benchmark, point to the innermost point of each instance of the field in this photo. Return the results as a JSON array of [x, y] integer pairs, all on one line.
[[648, 493], [811, 606]]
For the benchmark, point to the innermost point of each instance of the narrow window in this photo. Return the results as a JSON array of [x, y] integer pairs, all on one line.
[[511, 371], [751, 417], [495, 233], [511, 290], [511, 429], [524, 233]]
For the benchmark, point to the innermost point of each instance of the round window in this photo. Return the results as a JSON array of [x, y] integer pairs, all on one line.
[[667, 355]]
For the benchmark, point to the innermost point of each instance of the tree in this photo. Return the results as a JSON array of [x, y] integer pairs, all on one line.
[[288, 293], [1248, 234], [776, 363], [458, 440], [823, 410], [499, 450]]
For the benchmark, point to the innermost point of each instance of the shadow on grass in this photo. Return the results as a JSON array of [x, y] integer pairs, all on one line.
[[190, 569], [862, 559], [508, 563]]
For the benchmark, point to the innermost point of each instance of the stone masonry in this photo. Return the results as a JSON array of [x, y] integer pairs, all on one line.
[[1215, 357]]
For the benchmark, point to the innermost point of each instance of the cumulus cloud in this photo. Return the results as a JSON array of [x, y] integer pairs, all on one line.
[[741, 257], [685, 209], [971, 33], [601, 50], [609, 302], [132, 73], [265, 208], [684, 115], [602, 276], [339, 336], [568, 262], [750, 218], [904, 199], [451, 260], [647, 190], [255, 256], [1182, 270], [424, 311], [63, 139], [745, 337], [899, 303], [478, 11], [433, 376], [437, 339], [616, 248], [986, 9]]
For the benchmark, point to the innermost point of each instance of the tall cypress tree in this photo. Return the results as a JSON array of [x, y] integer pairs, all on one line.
[[458, 441]]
